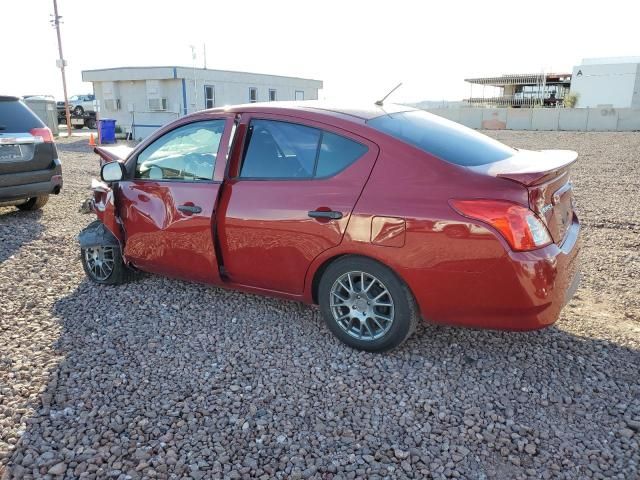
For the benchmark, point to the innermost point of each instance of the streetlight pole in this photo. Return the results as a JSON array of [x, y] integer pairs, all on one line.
[[61, 64]]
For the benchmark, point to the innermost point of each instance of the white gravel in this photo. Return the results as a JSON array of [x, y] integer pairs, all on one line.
[[166, 379]]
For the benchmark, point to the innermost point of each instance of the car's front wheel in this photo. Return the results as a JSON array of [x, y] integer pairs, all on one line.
[[103, 264], [366, 305]]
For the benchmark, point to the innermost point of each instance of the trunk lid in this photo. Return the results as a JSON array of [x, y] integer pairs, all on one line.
[[545, 175]]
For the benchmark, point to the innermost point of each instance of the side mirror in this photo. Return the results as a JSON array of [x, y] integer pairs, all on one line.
[[112, 172]]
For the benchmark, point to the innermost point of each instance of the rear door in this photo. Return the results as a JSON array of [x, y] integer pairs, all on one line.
[[292, 186], [168, 206]]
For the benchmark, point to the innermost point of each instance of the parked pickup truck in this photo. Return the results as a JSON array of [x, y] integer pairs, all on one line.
[[78, 105]]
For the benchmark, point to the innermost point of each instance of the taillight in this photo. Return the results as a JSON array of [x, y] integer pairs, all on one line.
[[42, 135], [520, 226]]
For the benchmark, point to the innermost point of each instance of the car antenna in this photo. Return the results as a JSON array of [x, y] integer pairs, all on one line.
[[380, 102]]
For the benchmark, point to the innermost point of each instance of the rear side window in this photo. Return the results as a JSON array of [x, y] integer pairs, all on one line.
[[16, 117], [337, 153], [278, 149], [443, 138]]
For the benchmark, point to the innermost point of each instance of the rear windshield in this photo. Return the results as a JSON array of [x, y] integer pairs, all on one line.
[[443, 138], [16, 117]]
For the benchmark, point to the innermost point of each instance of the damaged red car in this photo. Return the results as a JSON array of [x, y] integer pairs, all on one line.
[[382, 215]]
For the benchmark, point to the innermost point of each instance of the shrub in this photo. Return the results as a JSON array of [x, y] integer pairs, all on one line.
[[571, 100]]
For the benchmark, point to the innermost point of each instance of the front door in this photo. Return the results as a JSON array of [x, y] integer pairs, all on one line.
[[289, 197], [167, 208]]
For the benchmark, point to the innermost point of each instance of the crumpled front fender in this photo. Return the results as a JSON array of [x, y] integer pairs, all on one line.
[[95, 234], [102, 204]]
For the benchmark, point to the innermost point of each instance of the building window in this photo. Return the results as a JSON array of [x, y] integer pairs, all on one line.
[[272, 95], [299, 95], [209, 96], [253, 94]]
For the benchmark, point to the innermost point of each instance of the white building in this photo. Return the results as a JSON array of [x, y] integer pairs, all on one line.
[[141, 99], [607, 82]]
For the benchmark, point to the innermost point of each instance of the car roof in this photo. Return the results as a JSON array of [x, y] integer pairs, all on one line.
[[358, 113]]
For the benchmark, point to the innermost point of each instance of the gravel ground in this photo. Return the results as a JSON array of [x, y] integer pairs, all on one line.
[[166, 379]]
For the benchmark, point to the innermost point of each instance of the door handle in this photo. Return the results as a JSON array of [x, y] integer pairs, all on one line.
[[190, 208], [330, 214]]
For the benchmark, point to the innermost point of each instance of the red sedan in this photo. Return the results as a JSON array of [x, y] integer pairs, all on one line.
[[381, 215]]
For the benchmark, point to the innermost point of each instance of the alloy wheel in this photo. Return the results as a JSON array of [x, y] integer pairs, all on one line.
[[362, 305], [100, 261]]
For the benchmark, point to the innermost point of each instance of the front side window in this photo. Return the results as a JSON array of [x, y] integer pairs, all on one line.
[[287, 150], [447, 140], [187, 153], [253, 94]]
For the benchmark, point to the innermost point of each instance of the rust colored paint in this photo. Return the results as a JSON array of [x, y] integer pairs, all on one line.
[[388, 231]]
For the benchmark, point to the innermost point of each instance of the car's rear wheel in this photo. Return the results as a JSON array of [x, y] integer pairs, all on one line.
[[103, 264], [366, 305], [34, 203]]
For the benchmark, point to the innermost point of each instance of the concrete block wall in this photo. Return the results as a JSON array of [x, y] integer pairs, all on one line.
[[629, 119], [569, 119]]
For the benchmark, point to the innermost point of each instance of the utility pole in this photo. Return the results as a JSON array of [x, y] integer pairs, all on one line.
[[61, 64]]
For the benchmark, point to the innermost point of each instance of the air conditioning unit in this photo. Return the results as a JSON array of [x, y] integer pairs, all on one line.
[[112, 104], [157, 104]]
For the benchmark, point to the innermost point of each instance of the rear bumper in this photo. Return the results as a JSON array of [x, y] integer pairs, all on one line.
[[17, 186], [523, 291]]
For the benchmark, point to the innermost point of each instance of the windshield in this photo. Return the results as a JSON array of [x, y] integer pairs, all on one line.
[[443, 138]]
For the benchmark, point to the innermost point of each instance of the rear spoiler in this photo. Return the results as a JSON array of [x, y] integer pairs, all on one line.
[[530, 167], [113, 154]]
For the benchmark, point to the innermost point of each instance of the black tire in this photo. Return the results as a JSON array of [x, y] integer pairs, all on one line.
[[90, 124], [78, 127], [120, 272], [405, 316], [34, 203], [78, 110]]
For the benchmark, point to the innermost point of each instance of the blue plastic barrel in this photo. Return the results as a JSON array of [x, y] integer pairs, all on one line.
[[107, 128]]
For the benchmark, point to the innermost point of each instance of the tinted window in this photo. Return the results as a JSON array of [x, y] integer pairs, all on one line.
[[280, 150], [337, 153], [443, 138], [16, 117], [187, 153]]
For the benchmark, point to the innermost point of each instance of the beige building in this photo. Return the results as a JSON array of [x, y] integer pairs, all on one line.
[[141, 99]]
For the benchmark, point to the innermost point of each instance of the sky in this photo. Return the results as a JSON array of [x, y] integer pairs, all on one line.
[[360, 49]]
